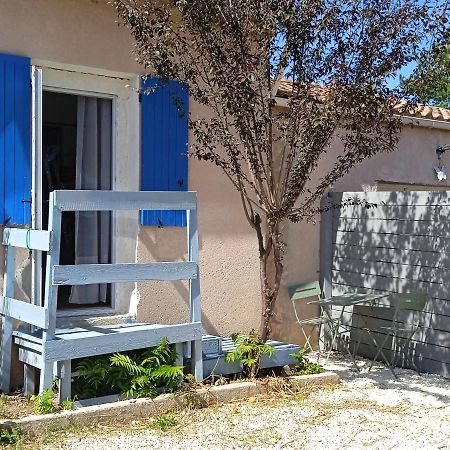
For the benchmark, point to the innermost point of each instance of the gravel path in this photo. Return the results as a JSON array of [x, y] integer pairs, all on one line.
[[367, 411]]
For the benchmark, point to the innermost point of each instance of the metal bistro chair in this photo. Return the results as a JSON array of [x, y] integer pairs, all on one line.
[[400, 333], [302, 293]]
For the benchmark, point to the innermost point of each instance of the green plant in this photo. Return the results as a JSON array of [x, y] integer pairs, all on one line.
[[67, 405], [303, 366], [3, 400], [92, 375], [133, 374], [249, 349], [43, 403], [11, 435], [164, 421]]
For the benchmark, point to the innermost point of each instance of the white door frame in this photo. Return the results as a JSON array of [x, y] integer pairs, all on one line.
[[36, 180], [122, 89]]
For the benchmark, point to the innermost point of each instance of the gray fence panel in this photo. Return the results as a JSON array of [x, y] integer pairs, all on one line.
[[394, 242]]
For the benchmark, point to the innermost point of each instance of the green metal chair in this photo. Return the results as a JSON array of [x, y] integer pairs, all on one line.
[[302, 293], [400, 334]]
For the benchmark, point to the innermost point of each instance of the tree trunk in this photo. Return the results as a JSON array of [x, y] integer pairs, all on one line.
[[271, 270]]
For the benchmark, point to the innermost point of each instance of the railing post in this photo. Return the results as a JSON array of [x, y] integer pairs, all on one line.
[[51, 291], [326, 254], [194, 292], [7, 321]]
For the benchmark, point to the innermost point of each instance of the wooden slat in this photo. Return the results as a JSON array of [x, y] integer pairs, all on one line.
[[396, 256], [393, 270], [440, 338], [433, 305], [438, 226], [80, 274], [326, 247], [31, 358], [103, 340], [391, 284], [23, 343], [413, 198], [195, 311], [25, 335], [433, 320], [421, 350], [423, 363], [130, 201], [7, 322], [25, 238], [394, 212], [393, 241], [32, 314]]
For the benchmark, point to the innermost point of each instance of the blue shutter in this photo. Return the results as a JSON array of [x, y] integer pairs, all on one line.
[[164, 146], [15, 130]]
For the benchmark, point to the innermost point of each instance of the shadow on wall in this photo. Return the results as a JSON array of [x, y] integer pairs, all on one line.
[[166, 244], [401, 245]]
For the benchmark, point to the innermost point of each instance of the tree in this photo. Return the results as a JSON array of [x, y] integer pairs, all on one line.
[[430, 80], [337, 56]]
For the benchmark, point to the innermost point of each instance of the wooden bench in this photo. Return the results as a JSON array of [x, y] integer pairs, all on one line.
[[41, 344]]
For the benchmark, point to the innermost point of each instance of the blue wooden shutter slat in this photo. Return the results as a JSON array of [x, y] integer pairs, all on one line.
[[2, 139], [15, 130], [164, 138], [10, 149]]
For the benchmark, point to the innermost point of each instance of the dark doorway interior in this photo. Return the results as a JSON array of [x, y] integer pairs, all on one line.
[[59, 162]]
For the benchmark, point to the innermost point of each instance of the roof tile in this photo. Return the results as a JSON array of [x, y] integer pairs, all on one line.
[[420, 111]]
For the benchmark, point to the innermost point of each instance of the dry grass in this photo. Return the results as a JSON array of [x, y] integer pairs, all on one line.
[[14, 406]]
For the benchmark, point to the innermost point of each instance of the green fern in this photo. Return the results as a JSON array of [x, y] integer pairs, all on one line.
[[132, 374], [167, 372], [249, 349], [94, 370], [131, 366]]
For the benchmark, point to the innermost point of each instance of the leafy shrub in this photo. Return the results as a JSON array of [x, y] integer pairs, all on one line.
[[43, 403], [303, 366], [249, 349], [133, 374]]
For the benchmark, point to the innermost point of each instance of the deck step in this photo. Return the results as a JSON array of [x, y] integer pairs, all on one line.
[[216, 363]]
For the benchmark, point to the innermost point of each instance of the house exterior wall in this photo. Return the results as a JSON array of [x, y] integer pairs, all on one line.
[[84, 32], [412, 162]]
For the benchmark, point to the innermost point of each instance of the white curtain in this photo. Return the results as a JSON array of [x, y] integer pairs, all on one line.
[[93, 172]]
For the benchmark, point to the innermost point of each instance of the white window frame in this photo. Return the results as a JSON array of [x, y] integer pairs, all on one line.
[[122, 89]]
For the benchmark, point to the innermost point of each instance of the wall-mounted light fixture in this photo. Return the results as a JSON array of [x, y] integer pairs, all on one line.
[[439, 168]]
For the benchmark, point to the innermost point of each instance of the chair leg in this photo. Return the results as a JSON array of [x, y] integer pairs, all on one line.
[[334, 333], [406, 358], [46, 376], [381, 353], [307, 340]]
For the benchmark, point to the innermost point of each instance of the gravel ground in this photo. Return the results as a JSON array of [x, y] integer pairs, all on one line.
[[369, 410]]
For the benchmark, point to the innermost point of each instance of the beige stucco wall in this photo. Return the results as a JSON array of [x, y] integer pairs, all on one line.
[[84, 32], [81, 32]]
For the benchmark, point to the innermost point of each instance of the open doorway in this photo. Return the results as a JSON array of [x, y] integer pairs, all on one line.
[[77, 154]]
